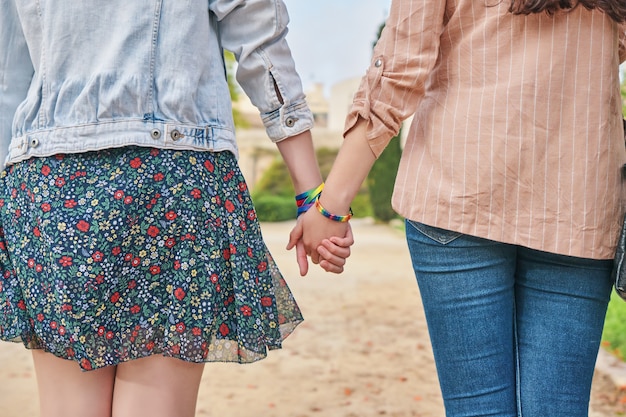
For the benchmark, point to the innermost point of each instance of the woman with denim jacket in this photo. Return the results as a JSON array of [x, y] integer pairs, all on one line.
[[130, 245], [510, 184]]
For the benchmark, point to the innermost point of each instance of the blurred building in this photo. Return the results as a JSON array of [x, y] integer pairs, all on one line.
[[257, 152], [341, 95], [318, 104]]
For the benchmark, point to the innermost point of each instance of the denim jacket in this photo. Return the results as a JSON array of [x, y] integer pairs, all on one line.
[[78, 76]]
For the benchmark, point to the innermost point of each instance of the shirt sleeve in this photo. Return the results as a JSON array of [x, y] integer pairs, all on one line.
[[255, 31], [402, 60], [16, 71]]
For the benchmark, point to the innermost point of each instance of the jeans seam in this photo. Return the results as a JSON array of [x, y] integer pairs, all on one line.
[[518, 382]]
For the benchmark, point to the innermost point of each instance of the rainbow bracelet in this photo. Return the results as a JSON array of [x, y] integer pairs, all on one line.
[[329, 215], [306, 200]]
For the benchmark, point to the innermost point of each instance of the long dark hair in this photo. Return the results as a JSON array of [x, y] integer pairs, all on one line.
[[616, 9]]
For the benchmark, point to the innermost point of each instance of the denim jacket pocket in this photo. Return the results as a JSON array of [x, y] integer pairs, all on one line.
[[442, 236]]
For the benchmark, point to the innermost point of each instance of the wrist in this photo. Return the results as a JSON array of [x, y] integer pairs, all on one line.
[[334, 203], [332, 215], [307, 186], [306, 199]]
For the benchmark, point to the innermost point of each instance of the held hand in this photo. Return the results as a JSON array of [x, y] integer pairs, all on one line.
[[331, 251], [317, 228], [335, 251]]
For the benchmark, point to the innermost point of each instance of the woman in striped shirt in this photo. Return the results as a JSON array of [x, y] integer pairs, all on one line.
[[509, 181]]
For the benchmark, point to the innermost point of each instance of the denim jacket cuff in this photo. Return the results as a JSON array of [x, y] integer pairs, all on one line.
[[287, 121]]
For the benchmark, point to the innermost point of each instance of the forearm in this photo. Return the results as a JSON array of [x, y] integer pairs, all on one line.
[[353, 163], [299, 156]]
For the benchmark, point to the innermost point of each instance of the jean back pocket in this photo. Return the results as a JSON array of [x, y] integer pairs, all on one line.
[[442, 236]]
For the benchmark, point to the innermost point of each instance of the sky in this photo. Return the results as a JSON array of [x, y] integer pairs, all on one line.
[[331, 40]]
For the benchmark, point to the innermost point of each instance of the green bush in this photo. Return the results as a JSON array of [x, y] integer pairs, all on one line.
[[274, 208], [275, 181], [361, 205], [381, 179], [614, 335], [273, 194]]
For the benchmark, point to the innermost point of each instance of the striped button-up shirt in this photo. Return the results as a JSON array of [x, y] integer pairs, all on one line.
[[517, 135]]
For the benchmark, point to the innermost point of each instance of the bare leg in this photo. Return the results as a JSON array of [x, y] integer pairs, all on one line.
[[67, 391], [156, 386]]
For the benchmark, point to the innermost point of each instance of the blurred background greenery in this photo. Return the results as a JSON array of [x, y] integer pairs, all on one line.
[[614, 336]]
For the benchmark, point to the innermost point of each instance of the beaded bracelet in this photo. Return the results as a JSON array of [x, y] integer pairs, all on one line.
[[331, 216], [305, 200]]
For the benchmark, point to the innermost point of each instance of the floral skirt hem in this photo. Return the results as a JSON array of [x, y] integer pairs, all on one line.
[[114, 255], [216, 351]]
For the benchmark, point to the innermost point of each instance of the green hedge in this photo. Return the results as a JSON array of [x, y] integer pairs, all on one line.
[[273, 194], [381, 179], [274, 208]]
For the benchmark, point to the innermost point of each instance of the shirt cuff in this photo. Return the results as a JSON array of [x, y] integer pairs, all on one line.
[[288, 121], [377, 133]]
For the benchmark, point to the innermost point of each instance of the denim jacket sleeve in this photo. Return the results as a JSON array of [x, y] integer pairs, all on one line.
[[255, 30], [16, 70]]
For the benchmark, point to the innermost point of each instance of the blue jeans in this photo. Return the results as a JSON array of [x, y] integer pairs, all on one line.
[[515, 331]]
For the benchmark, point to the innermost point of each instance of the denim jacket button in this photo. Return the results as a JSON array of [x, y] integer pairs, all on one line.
[[155, 133], [33, 143], [378, 63], [290, 122], [176, 135]]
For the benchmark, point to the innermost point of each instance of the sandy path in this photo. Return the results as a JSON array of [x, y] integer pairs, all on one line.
[[362, 351]]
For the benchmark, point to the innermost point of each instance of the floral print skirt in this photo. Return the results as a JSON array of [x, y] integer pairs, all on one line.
[[115, 255]]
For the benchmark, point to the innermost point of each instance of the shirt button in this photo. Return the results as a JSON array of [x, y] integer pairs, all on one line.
[[290, 121], [176, 135], [155, 133], [378, 63], [33, 143]]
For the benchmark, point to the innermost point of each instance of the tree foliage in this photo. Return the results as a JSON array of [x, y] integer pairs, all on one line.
[[233, 87]]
